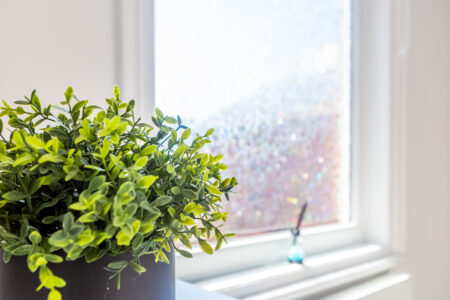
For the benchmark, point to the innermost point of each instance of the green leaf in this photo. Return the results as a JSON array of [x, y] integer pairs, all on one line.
[[205, 246], [49, 219], [124, 237], [6, 159], [23, 230], [59, 239], [114, 123], [85, 238], [92, 167], [179, 152], [54, 295], [161, 256], [218, 244], [116, 92], [103, 132], [6, 256], [175, 190], [68, 221], [122, 127], [14, 196], [35, 100], [184, 253], [126, 192], [45, 276], [136, 225], [117, 265], [116, 161], [78, 206], [141, 162], [88, 218], [131, 105], [99, 238], [24, 159], [190, 194], [58, 282], [147, 181], [153, 210], [131, 209], [137, 241], [171, 211], [115, 138], [229, 235], [186, 133], [149, 150], [147, 227], [71, 172], [187, 221], [171, 169], [159, 113], [79, 105], [44, 180], [161, 200], [74, 252], [138, 268], [35, 142], [76, 230], [209, 132], [189, 208], [186, 242], [69, 93], [93, 254], [171, 120], [35, 261], [213, 190], [101, 116], [55, 158], [35, 237], [22, 250], [96, 182], [53, 258], [2, 148]]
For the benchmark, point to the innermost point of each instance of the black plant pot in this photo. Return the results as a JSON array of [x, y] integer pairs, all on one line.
[[90, 281]]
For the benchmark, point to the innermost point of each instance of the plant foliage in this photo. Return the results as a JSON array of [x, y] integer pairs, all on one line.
[[88, 182]]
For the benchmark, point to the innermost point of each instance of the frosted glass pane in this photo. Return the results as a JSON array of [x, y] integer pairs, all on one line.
[[273, 79]]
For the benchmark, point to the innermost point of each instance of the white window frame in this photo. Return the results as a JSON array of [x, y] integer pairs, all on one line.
[[379, 102]]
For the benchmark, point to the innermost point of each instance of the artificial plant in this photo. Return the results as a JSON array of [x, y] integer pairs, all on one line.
[[87, 182]]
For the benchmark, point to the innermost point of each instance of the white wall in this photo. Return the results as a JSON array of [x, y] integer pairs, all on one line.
[[429, 150], [51, 44]]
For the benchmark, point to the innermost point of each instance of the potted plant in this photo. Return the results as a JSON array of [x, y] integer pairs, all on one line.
[[89, 195]]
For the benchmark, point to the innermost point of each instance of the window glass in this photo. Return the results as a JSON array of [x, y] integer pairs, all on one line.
[[273, 79]]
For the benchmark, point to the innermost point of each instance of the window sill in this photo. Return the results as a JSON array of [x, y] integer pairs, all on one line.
[[187, 291], [251, 253], [318, 274]]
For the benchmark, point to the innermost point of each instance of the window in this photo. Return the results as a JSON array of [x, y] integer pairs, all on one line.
[[202, 50], [273, 79]]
